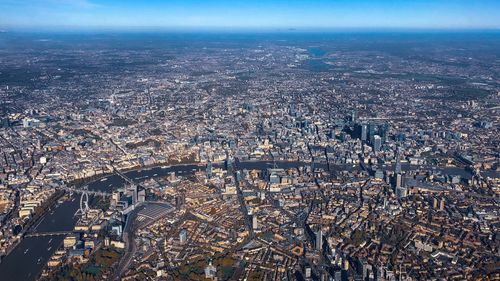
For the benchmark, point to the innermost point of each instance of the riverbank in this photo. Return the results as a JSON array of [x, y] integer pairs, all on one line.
[[39, 214], [63, 220]]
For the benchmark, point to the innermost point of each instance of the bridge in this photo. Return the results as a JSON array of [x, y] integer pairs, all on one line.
[[123, 176], [46, 234]]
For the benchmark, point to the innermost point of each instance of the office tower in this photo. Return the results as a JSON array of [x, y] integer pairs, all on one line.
[[141, 196], [26, 122], [180, 201], [371, 131], [238, 176], [338, 275], [401, 192], [398, 180], [4, 122], [210, 271], [292, 110], [441, 204], [209, 170], [377, 143], [366, 269], [354, 116], [364, 132], [134, 194], [400, 137], [183, 236], [307, 271], [319, 239], [115, 197], [228, 165], [384, 132], [255, 223], [397, 169]]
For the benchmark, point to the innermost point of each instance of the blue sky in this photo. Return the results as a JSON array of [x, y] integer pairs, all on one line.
[[427, 14]]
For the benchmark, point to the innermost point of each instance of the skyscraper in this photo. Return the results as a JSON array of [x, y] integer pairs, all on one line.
[[255, 222], [397, 169], [371, 131], [384, 132], [441, 204], [141, 196], [401, 192], [377, 143], [183, 236], [209, 170], [364, 132], [319, 239], [399, 180], [228, 165], [354, 116], [135, 196], [210, 271]]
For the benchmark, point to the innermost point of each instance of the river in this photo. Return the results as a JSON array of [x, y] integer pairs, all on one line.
[[27, 260]]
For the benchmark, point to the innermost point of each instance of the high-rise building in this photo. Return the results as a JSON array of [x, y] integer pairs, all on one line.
[[209, 170], [400, 137], [398, 180], [210, 271], [26, 122], [179, 201], [319, 239], [364, 132], [115, 197], [134, 194], [307, 271], [255, 222], [354, 116], [183, 236], [4, 122], [338, 275], [397, 169], [401, 192], [384, 132], [371, 131], [141, 196], [441, 204], [228, 165], [377, 143]]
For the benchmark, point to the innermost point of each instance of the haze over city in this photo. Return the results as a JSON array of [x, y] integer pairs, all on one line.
[[419, 14]]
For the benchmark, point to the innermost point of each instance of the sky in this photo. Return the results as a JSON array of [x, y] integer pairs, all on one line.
[[257, 14]]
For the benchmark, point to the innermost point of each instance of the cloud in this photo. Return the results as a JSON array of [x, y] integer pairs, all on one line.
[[68, 3], [75, 3], [80, 3]]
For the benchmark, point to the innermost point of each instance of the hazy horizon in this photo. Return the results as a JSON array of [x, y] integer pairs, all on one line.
[[254, 15]]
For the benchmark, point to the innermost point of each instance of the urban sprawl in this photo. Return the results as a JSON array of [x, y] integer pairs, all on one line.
[[252, 160]]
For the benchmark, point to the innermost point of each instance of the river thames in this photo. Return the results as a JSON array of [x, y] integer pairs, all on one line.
[[28, 259]]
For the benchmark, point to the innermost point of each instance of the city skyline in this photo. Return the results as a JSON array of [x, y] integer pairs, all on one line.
[[277, 14], [249, 140]]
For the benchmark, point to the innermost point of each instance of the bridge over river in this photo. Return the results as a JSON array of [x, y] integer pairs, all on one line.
[[47, 234]]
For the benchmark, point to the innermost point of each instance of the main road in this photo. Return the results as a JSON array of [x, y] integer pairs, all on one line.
[[27, 260]]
